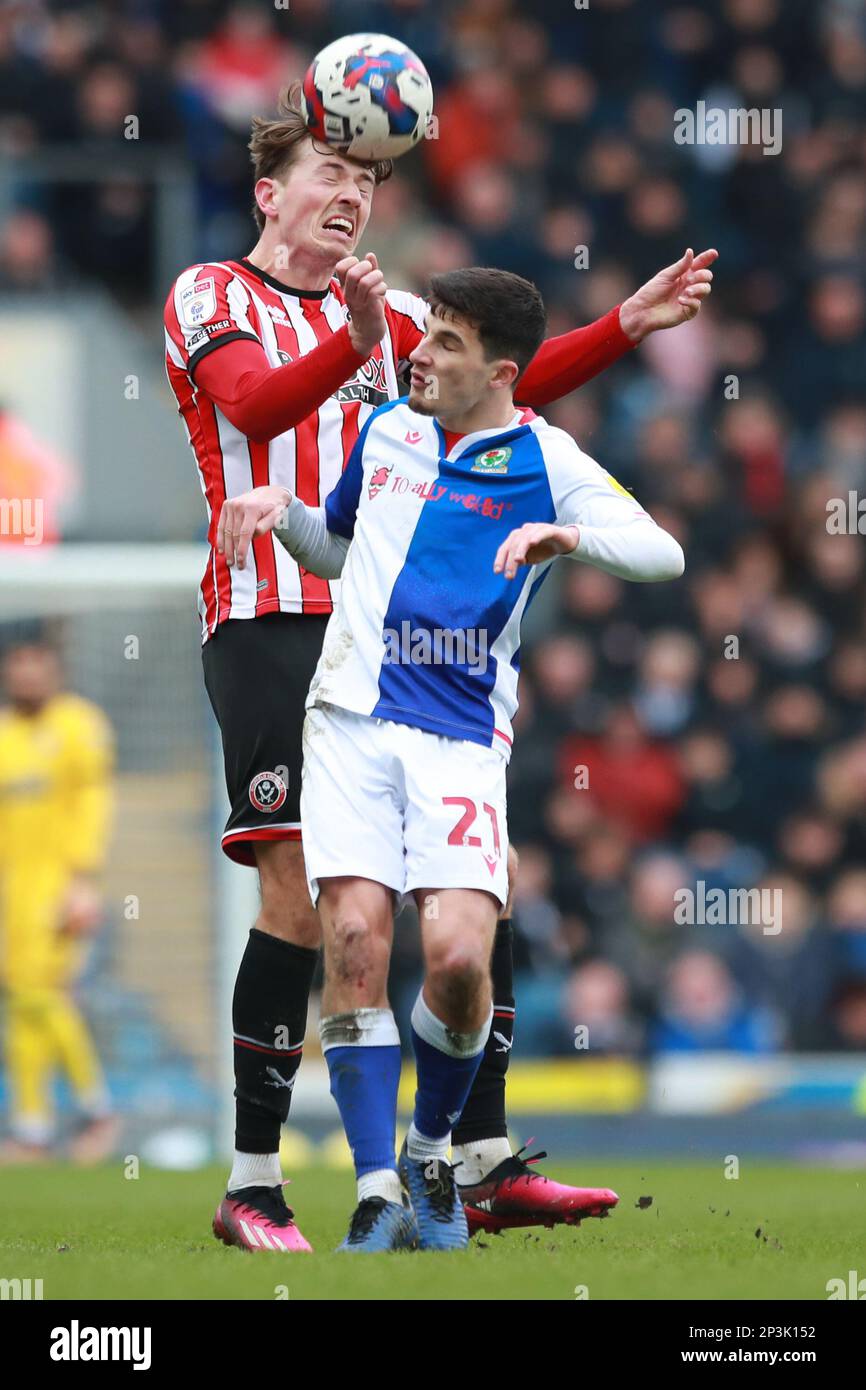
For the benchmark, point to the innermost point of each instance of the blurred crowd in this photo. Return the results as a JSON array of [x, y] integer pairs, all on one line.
[[706, 731]]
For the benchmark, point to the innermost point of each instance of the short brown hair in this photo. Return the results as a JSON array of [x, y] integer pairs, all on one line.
[[507, 310], [274, 144]]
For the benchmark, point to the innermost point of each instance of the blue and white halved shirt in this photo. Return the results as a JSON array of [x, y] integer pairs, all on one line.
[[425, 633]]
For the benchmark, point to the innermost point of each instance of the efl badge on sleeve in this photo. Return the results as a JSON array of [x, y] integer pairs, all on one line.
[[198, 302], [617, 486]]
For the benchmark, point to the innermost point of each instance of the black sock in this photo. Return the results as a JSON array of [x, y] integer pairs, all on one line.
[[484, 1112], [269, 1018]]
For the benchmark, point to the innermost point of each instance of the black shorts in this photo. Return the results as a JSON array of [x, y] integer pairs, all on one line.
[[257, 673]]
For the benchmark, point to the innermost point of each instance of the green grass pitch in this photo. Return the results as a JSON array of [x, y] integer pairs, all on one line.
[[98, 1235]]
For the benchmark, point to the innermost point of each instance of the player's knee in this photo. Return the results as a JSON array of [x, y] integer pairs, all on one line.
[[355, 952], [459, 974]]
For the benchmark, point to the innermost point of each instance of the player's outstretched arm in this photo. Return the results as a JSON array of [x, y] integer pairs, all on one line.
[[671, 297], [252, 513], [304, 532], [564, 363], [263, 401], [300, 529], [596, 520], [318, 537], [534, 544], [638, 549]]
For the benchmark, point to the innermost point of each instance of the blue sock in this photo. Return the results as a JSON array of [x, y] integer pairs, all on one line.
[[362, 1050], [446, 1065]]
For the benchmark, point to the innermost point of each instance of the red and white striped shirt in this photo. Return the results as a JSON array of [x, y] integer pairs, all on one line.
[[256, 412]]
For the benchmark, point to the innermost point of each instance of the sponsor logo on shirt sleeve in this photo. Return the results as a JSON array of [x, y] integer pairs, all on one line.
[[198, 302]]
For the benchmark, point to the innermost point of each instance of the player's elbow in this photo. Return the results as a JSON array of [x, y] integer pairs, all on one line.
[[247, 416], [671, 560], [250, 424], [658, 559]]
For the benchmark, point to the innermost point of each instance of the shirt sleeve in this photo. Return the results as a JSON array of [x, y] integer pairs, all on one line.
[[264, 401], [306, 536], [616, 534], [408, 316], [208, 305], [564, 363]]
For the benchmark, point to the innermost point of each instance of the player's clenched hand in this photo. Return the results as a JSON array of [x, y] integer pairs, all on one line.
[[365, 289], [249, 514], [671, 297], [532, 544]]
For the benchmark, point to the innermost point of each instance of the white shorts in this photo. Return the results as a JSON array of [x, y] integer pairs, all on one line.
[[401, 806]]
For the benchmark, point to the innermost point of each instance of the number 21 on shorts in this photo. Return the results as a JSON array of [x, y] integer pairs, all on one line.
[[462, 836]]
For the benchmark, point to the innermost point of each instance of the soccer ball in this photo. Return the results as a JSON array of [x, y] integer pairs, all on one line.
[[367, 96]]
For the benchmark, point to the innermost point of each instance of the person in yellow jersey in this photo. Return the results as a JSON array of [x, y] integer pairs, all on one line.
[[56, 757]]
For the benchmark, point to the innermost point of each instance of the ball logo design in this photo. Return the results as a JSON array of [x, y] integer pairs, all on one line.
[[368, 96]]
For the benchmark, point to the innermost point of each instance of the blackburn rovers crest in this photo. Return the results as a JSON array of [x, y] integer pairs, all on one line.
[[494, 461]]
